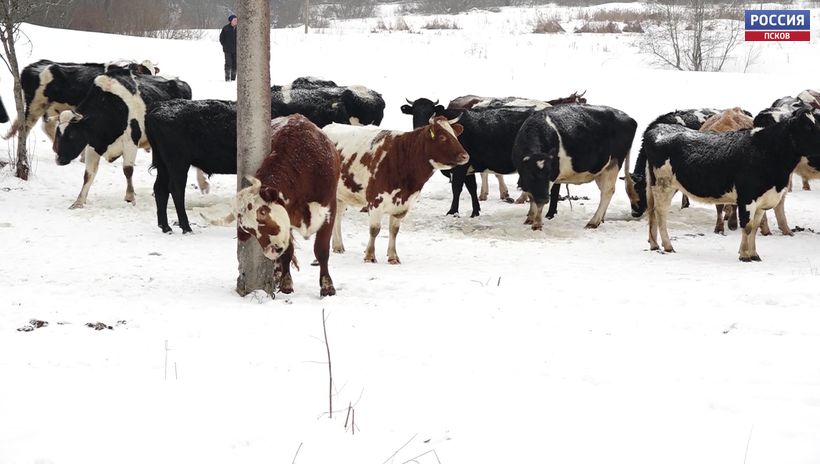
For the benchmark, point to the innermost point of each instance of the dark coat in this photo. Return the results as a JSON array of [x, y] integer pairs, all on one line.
[[228, 39]]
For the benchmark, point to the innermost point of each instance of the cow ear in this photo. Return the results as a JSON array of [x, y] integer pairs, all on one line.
[[439, 110], [406, 109], [458, 129], [156, 70], [241, 234]]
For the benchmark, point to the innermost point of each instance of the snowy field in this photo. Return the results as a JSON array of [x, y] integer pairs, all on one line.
[[491, 343]]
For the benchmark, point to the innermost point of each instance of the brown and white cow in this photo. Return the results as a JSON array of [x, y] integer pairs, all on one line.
[[384, 171], [294, 189], [730, 120]]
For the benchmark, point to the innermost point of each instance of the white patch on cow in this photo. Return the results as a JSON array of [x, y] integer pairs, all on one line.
[[437, 165], [136, 110], [527, 103], [811, 118], [756, 130], [525, 159], [361, 92], [286, 93], [283, 198], [805, 170], [354, 121], [540, 164], [39, 104], [319, 215], [355, 141], [566, 174], [680, 120], [447, 127]]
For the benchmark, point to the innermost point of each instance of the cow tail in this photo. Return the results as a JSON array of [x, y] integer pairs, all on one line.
[[15, 127]]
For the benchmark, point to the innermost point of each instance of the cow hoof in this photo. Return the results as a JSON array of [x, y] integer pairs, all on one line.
[[482, 198], [286, 286], [508, 200], [591, 226], [745, 259], [452, 212], [527, 222], [187, 231], [369, 260], [537, 227], [719, 231], [326, 287], [550, 216], [755, 258], [339, 250], [654, 248], [77, 205], [394, 260], [475, 214], [131, 200], [166, 230], [788, 233], [315, 262]]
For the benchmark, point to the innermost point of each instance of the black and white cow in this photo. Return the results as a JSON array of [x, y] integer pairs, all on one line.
[[185, 133], [323, 102], [50, 88], [750, 168], [572, 144], [488, 137], [111, 121], [693, 119]]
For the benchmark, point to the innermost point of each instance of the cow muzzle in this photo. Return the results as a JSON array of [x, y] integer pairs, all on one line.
[[463, 158]]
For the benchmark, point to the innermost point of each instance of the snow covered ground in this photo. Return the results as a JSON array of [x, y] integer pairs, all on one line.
[[490, 343]]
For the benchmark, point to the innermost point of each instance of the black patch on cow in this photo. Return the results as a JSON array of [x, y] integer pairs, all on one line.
[[136, 132]]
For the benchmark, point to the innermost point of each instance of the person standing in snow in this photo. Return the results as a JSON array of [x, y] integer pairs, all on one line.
[[228, 40]]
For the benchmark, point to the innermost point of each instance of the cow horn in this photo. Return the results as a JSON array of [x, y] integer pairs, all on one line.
[[436, 103], [408, 100], [453, 121], [256, 184]]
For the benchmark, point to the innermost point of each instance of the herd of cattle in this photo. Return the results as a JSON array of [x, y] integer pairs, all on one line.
[[327, 153]]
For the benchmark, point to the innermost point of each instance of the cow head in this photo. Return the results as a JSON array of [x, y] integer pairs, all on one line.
[[422, 110], [439, 140], [804, 128], [70, 140], [261, 214], [638, 200], [535, 173]]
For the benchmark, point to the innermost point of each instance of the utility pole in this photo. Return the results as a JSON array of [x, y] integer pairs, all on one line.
[[307, 15], [253, 129]]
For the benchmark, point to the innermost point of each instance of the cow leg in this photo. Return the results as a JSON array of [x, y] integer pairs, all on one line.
[[806, 185], [202, 181], [128, 160], [532, 212], [338, 246], [537, 222], [161, 192], [177, 187], [503, 191], [780, 215], [745, 226], [457, 176], [764, 226], [732, 217], [285, 280], [321, 250], [392, 256], [469, 181], [485, 188], [606, 183], [663, 203], [375, 228], [757, 218], [719, 221], [522, 198], [684, 201], [790, 182], [91, 165], [555, 193]]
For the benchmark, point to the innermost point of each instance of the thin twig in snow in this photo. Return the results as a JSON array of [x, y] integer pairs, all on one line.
[[402, 447], [297, 453], [747, 444], [329, 368]]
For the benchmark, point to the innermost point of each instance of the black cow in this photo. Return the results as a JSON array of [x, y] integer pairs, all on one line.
[[50, 88], [572, 144], [693, 119], [184, 133], [4, 116], [750, 168], [111, 121], [488, 137], [323, 102]]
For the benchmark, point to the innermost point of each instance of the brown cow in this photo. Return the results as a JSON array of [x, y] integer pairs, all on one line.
[[730, 120], [295, 188], [384, 171]]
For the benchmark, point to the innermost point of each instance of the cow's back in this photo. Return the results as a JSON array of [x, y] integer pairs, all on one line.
[[489, 135], [361, 150], [154, 89]]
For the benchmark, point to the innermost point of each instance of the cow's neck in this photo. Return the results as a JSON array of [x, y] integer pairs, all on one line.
[[776, 142]]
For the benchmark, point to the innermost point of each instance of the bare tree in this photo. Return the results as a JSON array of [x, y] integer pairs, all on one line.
[[12, 13], [253, 130], [691, 35]]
